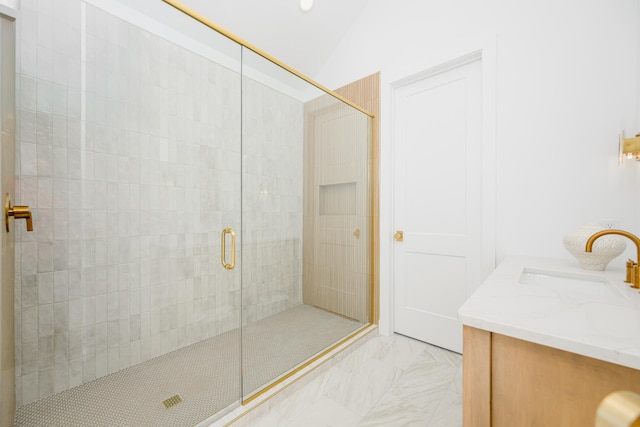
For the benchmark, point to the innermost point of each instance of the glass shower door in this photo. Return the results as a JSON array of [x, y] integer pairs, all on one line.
[[129, 155], [305, 220]]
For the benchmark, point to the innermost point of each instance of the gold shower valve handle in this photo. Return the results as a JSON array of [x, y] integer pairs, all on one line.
[[399, 236], [18, 212]]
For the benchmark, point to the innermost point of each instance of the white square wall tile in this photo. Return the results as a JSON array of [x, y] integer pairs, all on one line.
[[76, 312], [45, 257], [28, 126], [29, 353], [75, 372], [44, 96], [45, 161], [28, 290], [45, 320], [44, 63], [29, 324], [60, 288], [28, 57], [45, 288], [61, 343], [28, 93], [60, 317], [59, 102], [45, 352], [30, 391], [61, 377], [60, 70], [29, 21], [45, 192]]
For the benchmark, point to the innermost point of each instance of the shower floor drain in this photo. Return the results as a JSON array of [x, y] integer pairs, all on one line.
[[172, 401]]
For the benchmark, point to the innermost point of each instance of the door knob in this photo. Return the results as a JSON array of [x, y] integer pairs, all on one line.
[[399, 236], [18, 212], [356, 233]]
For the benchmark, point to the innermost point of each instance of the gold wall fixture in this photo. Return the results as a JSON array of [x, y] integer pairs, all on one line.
[[223, 251], [18, 212], [619, 409], [631, 147]]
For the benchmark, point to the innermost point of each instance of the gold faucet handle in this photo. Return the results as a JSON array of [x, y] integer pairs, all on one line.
[[630, 265], [635, 277], [23, 212], [18, 212]]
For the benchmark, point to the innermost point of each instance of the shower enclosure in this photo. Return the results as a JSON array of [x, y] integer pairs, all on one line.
[[202, 215]]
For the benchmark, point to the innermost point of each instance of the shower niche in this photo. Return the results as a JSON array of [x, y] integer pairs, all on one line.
[[202, 219]]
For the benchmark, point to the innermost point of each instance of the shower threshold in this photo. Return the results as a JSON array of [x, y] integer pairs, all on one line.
[[189, 385]]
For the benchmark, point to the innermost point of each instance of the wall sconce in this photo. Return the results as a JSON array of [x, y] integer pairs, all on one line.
[[631, 147]]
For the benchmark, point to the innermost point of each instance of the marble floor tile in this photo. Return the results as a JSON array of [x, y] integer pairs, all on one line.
[[291, 407], [393, 411], [402, 351], [325, 413], [359, 391], [449, 412], [271, 419], [389, 381], [457, 381]]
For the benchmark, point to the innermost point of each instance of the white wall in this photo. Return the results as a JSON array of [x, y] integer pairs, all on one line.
[[566, 86]]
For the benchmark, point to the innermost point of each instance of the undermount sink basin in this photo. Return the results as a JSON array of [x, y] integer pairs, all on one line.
[[569, 283]]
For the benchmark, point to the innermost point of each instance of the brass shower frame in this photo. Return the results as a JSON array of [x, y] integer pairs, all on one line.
[[362, 331]]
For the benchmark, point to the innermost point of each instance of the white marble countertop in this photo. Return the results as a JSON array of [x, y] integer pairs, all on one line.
[[603, 325]]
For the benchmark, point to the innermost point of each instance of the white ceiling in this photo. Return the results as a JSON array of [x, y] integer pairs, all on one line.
[[303, 41]]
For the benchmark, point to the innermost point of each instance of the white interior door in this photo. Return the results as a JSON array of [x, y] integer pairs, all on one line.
[[437, 131]]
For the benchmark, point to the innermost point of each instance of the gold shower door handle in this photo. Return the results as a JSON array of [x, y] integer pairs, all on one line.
[[18, 212], [224, 248], [399, 236]]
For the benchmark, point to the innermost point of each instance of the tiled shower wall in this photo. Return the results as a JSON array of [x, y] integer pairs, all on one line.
[[272, 125], [128, 152]]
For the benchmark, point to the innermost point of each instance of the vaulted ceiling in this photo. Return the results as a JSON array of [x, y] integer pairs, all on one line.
[[303, 41]]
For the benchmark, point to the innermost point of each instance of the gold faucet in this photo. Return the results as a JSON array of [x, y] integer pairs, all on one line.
[[633, 273]]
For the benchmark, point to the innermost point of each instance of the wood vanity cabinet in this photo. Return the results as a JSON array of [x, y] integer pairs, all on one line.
[[509, 382]]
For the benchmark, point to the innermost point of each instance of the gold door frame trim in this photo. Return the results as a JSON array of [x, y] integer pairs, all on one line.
[[228, 34], [372, 219]]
